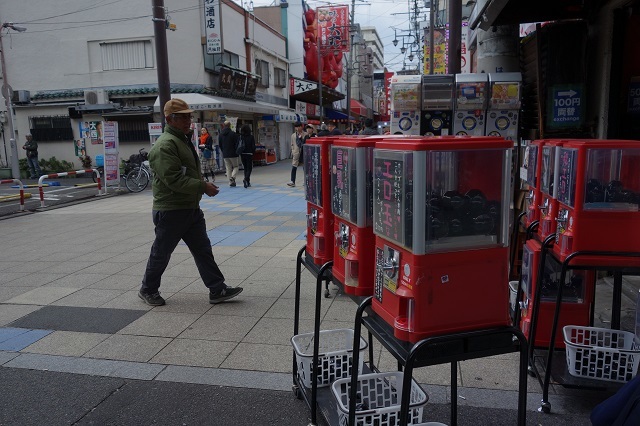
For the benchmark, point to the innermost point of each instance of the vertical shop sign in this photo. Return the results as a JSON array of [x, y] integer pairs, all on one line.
[[213, 26], [333, 27], [111, 161]]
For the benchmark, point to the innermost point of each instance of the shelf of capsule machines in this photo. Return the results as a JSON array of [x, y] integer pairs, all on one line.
[[577, 296], [320, 237], [597, 189], [440, 218], [487, 104]]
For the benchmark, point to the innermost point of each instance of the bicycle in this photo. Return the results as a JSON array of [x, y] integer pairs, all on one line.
[[138, 178]]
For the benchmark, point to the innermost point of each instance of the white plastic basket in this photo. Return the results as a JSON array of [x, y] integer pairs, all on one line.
[[379, 398], [600, 353], [335, 355]]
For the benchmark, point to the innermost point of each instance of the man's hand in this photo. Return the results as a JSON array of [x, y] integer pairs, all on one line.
[[210, 189]]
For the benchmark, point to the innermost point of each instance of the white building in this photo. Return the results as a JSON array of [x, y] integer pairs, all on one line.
[[77, 64]]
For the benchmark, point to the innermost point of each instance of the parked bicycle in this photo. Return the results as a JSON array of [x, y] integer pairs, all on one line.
[[138, 178], [134, 162]]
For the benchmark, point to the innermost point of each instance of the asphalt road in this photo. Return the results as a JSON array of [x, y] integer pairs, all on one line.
[[30, 397], [70, 190]]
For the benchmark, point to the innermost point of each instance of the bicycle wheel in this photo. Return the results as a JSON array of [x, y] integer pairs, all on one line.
[[137, 180]]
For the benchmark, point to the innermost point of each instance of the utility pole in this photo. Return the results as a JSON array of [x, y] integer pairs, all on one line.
[[350, 61], [160, 33], [455, 36]]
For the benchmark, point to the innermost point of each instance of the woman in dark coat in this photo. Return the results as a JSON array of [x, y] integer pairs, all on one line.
[[247, 153]]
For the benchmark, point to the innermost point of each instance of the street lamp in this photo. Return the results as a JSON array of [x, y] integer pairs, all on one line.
[[7, 93]]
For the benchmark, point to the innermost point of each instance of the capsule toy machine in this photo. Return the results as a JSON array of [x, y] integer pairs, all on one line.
[[437, 104], [317, 185], [503, 110], [548, 206], [598, 191], [577, 296], [531, 175], [469, 116], [440, 216], [351, 191]]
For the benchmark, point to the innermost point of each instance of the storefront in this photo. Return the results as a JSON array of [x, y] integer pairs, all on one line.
[[212, 111]]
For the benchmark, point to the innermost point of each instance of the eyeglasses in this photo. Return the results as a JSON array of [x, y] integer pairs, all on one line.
[[182, 116]]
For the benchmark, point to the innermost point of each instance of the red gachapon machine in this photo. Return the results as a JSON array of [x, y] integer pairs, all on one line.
[[598, 193], [317, 189], [532, 178], [577, 296], [351, 190], [548, 205], [440, 216]]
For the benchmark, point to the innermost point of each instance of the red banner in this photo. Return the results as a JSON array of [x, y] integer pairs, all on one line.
[[333, 27]]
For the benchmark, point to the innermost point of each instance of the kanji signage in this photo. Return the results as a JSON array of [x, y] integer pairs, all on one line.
[[212, 26], [566, 106], [225, 79], [297, 86], [239, 83], [333, 27]]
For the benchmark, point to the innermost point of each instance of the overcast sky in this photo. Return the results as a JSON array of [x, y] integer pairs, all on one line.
[[382, 14]]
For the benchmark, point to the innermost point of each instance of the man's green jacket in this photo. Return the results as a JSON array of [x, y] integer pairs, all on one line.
[[177, 179]]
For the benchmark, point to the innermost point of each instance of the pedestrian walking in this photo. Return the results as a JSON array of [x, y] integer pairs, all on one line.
[[177, 191], [324, 131], [369, 128], [296, 151], [228, 141], [247, 153], [333, 129], [206, 154], [31, 147]]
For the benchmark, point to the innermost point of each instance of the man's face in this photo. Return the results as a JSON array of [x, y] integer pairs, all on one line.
[[180, 121], [331, 127]]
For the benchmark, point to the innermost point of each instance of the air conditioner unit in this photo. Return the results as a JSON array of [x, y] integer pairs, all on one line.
[[21, 97], [95, 97]]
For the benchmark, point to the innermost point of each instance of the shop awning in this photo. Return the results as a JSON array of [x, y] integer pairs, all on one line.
[[332, 114], [285, 116], [200, 102], [358, 108], [488, 13]]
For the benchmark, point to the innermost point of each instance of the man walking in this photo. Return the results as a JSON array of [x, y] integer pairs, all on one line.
[[31, 147], [228, 141], [296, 151], [333, 129], [177, 190], [369, 128]]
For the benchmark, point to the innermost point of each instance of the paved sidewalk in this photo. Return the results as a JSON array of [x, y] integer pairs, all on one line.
[[69, 278]]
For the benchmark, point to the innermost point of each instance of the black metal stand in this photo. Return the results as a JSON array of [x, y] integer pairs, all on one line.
[[322, 273], [438, 350], [556, 366]]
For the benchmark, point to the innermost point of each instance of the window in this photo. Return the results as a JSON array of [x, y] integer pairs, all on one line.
[[127, 55], [280, 79], [53, 128], [262, 69], [211, 61], [133, 129]]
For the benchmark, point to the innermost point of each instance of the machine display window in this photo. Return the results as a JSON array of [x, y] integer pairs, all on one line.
[[574, 285], [313, 174], [547, 168], [567, 173], [465, 199], [393, 196], [612, 180], [532, 162], [343, 182]]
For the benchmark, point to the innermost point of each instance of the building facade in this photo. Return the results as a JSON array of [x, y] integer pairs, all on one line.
[[101, 64]]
